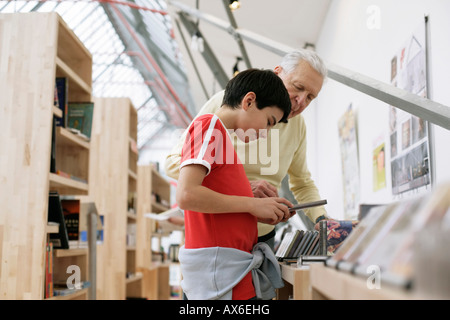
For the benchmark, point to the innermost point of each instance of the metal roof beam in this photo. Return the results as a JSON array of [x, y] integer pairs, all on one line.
[[207, 53]]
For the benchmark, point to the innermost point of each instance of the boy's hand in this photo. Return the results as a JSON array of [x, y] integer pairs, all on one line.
[[271, 210]]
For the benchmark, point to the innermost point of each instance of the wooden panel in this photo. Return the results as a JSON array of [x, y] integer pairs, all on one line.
[[26, 100], [155, 282], [144, 225], [133, 123], [298, 278], [67, 186], [108, 184]]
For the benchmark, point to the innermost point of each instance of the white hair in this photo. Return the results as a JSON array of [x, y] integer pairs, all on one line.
[[291, 60]]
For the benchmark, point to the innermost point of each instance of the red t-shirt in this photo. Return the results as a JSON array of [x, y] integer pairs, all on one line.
[[208, 143]]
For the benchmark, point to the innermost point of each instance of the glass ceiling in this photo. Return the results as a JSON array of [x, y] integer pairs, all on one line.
[[134, 55]]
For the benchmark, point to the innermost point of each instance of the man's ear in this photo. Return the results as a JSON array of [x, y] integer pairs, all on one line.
[[278, 70], [248, 100]]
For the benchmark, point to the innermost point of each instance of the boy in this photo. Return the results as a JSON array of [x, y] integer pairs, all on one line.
[[221, 213]]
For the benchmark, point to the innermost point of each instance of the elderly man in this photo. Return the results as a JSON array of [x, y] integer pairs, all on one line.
[[303, 74]]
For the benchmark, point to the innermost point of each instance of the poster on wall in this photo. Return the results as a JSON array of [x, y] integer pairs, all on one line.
[[410, 165], [350, 166], [379, 168]]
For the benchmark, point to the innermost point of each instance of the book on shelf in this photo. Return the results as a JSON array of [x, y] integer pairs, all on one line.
[[53, 147], [62, 87], [100, 232], [71, 210], [164, 219], [55, 97], [131, 235], [48, 292], [296, 241], [60, 240], [79, 117], [333, 233], [132, 201], [296, 244]]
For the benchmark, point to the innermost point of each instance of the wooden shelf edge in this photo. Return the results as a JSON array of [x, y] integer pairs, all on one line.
[[288, 272], [132, 216], [133, 278], [57, 112], [335, 284], [132, 174], [70, 138], [57, 181], [71, 296], [61, 253], [52, 228], [159, 207]]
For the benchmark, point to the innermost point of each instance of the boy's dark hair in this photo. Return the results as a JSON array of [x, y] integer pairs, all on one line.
[[267, 86]]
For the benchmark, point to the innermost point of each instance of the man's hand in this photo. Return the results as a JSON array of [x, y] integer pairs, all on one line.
[[263, 189]]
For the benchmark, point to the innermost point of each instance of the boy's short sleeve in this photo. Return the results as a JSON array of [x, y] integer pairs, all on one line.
[[203, 143]]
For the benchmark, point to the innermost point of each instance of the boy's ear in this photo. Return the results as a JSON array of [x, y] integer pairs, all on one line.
[[248, 100]]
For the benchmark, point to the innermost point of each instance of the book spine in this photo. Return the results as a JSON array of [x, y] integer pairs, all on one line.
[[323, 237], [49, 271], [62, 91]]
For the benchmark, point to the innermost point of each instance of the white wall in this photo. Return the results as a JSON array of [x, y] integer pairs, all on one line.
[[347, 41]]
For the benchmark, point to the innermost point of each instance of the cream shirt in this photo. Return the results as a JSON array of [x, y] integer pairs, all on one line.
[[282, 152]]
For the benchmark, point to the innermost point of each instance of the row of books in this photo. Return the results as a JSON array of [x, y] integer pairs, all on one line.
[[62, 289], [75, 115], [72, 226], [297, 243], [324, 242]]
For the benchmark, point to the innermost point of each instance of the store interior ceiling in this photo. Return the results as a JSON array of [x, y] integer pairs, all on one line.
[[169, 62]]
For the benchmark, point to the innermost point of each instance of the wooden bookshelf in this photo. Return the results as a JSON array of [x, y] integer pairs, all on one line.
[[32, 58], [155, 283], [113, 177]]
